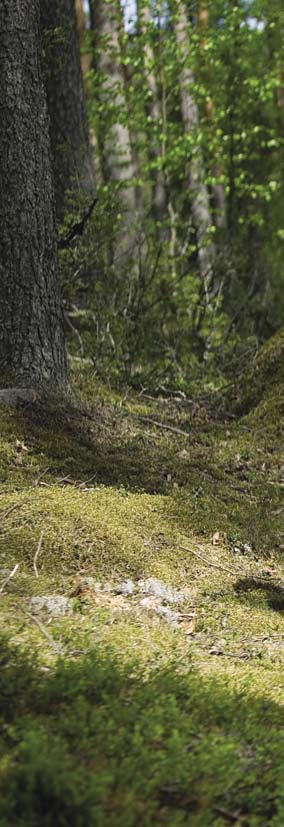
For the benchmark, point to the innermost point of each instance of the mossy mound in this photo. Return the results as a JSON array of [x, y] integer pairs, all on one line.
[[104, 487], [263, 379]]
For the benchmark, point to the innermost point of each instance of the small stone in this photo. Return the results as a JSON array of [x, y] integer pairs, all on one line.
[[126, 588], [247, 548], [157, 588], [55, 605], [147, 603], [168, 615], [150, 603], [12, 396], [184, 454]]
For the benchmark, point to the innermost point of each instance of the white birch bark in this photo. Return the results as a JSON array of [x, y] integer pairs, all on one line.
[[155, 112], [199, 196]]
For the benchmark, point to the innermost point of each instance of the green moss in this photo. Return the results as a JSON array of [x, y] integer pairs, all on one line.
[[95, 743], [264, 377], [115, 496]]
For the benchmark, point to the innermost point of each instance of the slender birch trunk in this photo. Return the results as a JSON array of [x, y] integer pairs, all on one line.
[[200, 202], [154, 108], [218, 191], [117, 152]]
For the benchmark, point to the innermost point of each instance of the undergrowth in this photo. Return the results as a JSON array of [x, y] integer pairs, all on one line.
[[94, 744]]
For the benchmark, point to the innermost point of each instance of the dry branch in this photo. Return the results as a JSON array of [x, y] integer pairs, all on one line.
[[157, 424], [56, 647], [38, 551], [7, 579]]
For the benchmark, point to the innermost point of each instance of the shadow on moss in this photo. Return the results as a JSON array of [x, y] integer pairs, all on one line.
[[96, 744], [273, 594]]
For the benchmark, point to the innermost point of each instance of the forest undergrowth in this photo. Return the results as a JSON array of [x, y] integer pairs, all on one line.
[[142, 605]]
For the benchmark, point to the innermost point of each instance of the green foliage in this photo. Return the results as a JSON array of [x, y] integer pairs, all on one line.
[[94, 743], [140, 308]]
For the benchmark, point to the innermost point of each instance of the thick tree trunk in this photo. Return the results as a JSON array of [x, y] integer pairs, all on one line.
[[31, 330], [200, 202], [72, 163]]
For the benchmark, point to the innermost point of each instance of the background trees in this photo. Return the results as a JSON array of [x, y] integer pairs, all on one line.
[[181, 266], [196, 88]]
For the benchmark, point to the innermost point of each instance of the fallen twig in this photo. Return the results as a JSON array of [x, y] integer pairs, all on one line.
[[40, 476], [9, 510], [56, 647], [7, 579], [65, 479], [157, 424], [231, 817], [212, 562], [230, 570], [38, 551], [86, 482]]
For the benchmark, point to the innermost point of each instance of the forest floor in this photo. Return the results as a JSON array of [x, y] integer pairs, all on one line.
[[142, 677]]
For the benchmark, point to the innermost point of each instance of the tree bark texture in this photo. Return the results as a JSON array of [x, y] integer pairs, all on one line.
[[71, 154], [199, 196], [31, 330], [118, 164], [117, 152]]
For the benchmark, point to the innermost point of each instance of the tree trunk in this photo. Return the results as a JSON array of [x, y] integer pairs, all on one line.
[[31, 329], [117, 154], [200, 202], [118, 164], [218, 190], [85, 56], [154, 107], [71, 155]]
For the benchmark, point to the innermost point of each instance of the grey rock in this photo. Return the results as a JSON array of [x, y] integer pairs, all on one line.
[[12, 396], [148, 603], [151, 604], [55, 605], [168, 615], [126, 588], [159, 589], [91, 583]]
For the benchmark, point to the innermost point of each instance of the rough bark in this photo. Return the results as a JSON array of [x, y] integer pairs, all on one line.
[[31, 329], [199, 196], [71, 155]]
